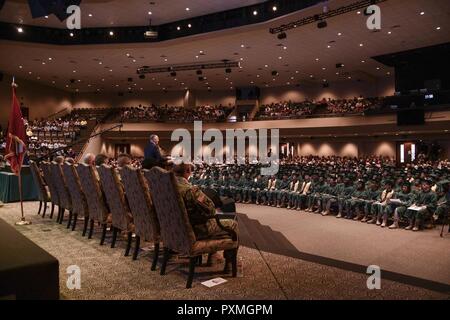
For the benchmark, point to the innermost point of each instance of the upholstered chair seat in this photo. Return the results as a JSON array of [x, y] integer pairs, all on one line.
[[79, 202], [122, 219], [43, 193], [64, 196], [176, 231], [54, 196], [98, 210], [140, 204]]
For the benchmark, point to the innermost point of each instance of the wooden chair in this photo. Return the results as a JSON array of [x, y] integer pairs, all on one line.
[[122, 219], [65, 201], [98, 210], [139, 201], [79, 203], [54, 196], [176, 231], [43, 193]]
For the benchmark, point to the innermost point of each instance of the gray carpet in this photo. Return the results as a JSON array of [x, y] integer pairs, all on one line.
[[107, 274], [399, 251]]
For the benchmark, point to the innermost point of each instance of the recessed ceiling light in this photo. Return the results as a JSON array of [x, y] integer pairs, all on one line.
[[255, 13], [359, 12], [134, 60], [178, 28], [111, 33], [242, 45], [328, 46], [339, 34], [284, 48], [311, 76], [20, 67], [189, 25], [110, 70], [46, 17], [257, 75], [90, 14], [196, 57], [74, 71], [100, 62], [389, 32], [296, 71], [71, 34], [422, 13], [50, 59], [324, 68], [165, 59], [19, 29], [266, 65], [361, 44], [150, 13], [274, 8], [363, 61], [317, 59], [43, 62], [279, 58], [201, 51], [29, 72], [438, 28], [187, 9]]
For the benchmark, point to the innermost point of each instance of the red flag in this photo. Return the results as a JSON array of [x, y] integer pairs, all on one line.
[[16, 137]]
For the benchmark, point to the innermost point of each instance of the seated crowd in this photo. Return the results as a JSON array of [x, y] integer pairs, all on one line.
[[45, 136], [371, 190], [289, 109], [206, 113]]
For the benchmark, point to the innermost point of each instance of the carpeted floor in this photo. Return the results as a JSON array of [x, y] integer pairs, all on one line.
[[107, 274]]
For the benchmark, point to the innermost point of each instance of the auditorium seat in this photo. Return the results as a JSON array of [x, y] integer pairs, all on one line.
[[122, 219], [79, 203], [176, 230], [139, 201], [54, 196], [63, 192], [98, 210], [43, 193]]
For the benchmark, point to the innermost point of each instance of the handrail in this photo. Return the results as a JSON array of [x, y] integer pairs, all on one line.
[[56, 113]]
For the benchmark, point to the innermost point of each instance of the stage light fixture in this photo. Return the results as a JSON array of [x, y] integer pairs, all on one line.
[[339, 65], [322, 24], [282, 36], [274, 73]]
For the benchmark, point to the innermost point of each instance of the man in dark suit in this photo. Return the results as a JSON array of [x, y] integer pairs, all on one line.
[[152, 154]]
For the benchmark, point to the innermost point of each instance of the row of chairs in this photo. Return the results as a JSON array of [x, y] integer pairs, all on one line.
[[143, 202]]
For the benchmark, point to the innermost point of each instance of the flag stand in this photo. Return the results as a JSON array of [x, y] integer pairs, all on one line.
[[23, 221]]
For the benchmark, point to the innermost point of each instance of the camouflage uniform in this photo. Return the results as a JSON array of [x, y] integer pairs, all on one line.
[[201, 211]]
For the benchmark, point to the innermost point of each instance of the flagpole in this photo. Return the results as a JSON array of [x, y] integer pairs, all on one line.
[[23, 221]]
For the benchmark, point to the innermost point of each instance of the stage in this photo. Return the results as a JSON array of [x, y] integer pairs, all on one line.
[[290, 255]]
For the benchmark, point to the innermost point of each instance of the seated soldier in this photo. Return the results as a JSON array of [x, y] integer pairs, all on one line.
[[282, 191], [405, 199], [371, 196], [380, 205], [200, 209], [443, 194], [424, 205], [329, 198], [293, 188], [355, 204]]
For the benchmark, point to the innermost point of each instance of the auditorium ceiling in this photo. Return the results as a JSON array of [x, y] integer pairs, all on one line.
[[308, 56], [105, 13]]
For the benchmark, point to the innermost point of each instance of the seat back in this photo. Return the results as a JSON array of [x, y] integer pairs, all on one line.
[[176, 230], [115, 196], [79, 203], [93, 193], [51, 185], [39, 182], [61, 185], [138, 195]]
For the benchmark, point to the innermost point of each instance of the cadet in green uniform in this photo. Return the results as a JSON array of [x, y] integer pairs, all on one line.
[[398, 210], [344, 194], [443, 195], [282, 191], [425, 203], [294, 185], [371, 195], [313, 198], [377, 209], [328, 197], [355, 204], [200, 209], [272, 191]]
